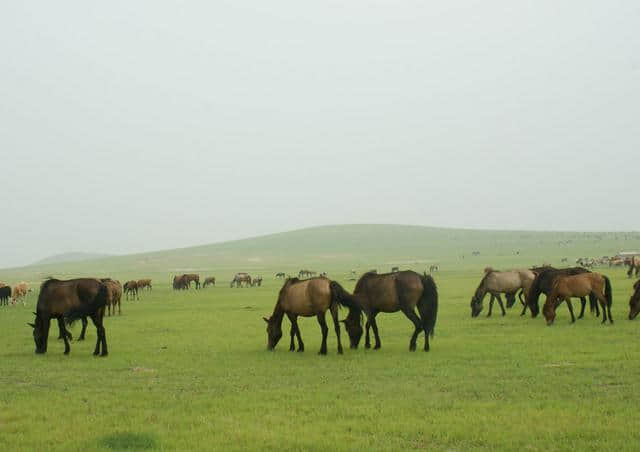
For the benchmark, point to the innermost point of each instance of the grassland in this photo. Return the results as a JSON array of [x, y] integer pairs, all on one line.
[[189, 370]]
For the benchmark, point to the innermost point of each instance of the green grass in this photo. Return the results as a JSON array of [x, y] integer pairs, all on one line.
[[190, 370]]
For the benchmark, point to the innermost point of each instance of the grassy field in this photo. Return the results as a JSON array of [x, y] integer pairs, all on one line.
[[190, 370]]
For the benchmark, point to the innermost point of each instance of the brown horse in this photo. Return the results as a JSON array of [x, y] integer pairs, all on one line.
[[144, 284], [496, 283], [68, 301], [240, 278], [543, 283], [131, 288], [308, 298], [634, 301], [392, 292], [180, 282], [209, 280], [114, 295], [582, 285], [192, 277]]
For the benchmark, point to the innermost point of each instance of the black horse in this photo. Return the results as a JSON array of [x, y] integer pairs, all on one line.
[[68, 301], [392, 292], [543, 283], [5, 294]]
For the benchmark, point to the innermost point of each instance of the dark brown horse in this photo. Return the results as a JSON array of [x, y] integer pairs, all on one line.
[[192, 277], [5, 294], [634, 301], [308, 298], [392, 292], [542, 284], [180, 282], [114, 295], [567, 287], [131, 288], [68, 301]]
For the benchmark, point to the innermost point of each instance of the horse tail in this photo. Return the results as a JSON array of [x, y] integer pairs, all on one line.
[[593, 303], [342, 297], [97, 302], [608, 294], [429, 302]]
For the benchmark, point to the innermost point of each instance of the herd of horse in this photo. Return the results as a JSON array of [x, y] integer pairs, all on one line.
[[14, 295], [413, 294]]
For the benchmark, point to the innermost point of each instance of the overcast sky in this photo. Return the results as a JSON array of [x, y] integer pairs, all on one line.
[[129, 126]]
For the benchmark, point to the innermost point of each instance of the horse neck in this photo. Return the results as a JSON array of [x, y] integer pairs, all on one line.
[[278, 314], [481, 291]]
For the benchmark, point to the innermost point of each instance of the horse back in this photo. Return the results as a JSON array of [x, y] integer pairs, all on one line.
[[386, 292], [307, 298], [58, 297]]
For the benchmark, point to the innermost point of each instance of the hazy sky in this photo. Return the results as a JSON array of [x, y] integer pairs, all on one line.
[[138, 125]]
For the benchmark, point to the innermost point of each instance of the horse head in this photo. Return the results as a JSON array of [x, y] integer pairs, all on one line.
[[39, 336], [476, 306], [353, 325], [274, 332]]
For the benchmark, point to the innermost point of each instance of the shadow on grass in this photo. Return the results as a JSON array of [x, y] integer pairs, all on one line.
[[129, 441]]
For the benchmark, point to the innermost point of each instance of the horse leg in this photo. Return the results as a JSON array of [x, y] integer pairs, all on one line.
[[417, 323], [367, 343], [336, 326], [501, 305], [490, 305], [67, 349], [325, 332], [298, 334], [292, 333], [573, 318], [374, 326], [583, 303], [102, 337], [84, 328]]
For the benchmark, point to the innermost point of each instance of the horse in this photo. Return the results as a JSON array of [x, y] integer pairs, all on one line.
[[395, 269], [20, 291], [543, 282], [634, 263], [307, 298], [566, 287], [634, 301], [209, 280], [68, 301], [144, 283], [392, 292], [114, 295], [5, 294], [180, 282], [495, 283], [257, 281], [280, 275], [240, 278], [189, 277], [434, 268], [307, 273], [131, 288]]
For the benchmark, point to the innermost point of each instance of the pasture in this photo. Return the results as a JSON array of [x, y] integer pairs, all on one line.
[[190, 370]]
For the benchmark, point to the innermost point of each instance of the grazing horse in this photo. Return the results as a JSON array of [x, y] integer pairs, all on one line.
[[209, 280], [192, 277], [68, 301], [495, 283], [240, 278], [257, 281], [114, 295], [308, 298], [566, 287], [20, 292], [634, 263], [392, 292], [434, 268], [180, 282], [131, 288], [543, 283], [307, 273], [280, 275], [144, 283], [5, 294], [634, 301]]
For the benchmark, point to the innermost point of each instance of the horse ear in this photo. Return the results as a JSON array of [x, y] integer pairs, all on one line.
[[32, 325], [35, 313], [265, 319]]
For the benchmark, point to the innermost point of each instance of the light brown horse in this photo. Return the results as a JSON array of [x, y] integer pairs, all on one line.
[[209, 280], [131, 288], [240, 278], [20, 292], [566, 287], [144, 284], [114, 295], [307, 298], [634, 301], [496, 283], [634, 264]]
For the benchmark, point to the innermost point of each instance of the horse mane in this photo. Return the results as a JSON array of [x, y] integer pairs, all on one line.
[[47, 281]]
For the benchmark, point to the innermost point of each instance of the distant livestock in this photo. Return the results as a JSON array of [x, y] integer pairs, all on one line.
[[20, 292], [5, 294], [211, 280], [144, 284], [241, 278], [131, 289], [114, 295]]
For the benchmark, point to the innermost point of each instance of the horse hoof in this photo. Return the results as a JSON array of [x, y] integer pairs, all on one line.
[[367, 345], [377, 347], [412, 348], [300, 350], [66, 352], [322, 352], [340, 352], [102, 355]]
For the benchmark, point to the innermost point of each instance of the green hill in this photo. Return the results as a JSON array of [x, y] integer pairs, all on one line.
[[343, 247], [70, 257]]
